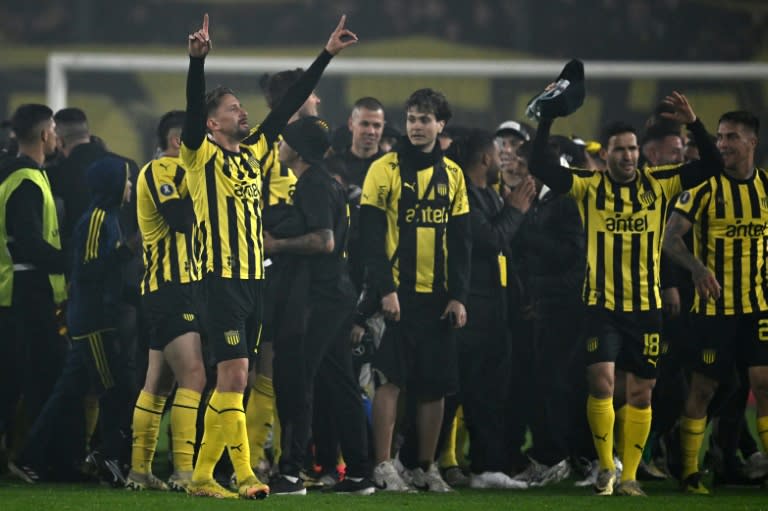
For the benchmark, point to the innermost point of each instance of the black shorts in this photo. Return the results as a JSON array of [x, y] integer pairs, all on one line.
[[630, 339], [720, 342], [171, 311], [233, 304], [419, 351]]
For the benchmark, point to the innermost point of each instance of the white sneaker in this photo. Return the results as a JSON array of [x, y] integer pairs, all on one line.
[[553, 475], [386, 478], [431, 480], [532, 472], [404, 473], [757, 465], [495, 480]]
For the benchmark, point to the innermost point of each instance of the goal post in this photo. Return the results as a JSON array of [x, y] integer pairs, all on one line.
[[60, 64]]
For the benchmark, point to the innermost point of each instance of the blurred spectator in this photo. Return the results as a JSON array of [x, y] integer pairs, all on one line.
[[697, 31]]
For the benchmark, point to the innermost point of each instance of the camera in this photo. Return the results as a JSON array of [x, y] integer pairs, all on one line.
[[364, 350]]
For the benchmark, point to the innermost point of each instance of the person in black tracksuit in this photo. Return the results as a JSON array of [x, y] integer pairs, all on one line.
[[321, 355]]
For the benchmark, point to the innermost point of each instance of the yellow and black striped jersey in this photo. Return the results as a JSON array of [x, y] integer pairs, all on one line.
[[729, 237], [167, 253], [415, 241], [279, 180], [624, 225], [226, 190]]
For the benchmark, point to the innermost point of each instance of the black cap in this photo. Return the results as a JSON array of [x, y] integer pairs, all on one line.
[[564, 98], [310, 137]]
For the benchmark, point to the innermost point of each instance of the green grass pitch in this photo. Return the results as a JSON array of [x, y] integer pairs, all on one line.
[[15, 496]]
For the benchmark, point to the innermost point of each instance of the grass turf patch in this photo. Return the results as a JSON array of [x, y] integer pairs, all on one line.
[[664, 496]]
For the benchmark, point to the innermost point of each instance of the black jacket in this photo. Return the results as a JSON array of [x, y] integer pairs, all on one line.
[[69, 183], [493, 227], [553, 250], [99, 253]]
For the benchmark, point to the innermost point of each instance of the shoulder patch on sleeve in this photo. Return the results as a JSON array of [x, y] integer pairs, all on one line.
[[166, 189]]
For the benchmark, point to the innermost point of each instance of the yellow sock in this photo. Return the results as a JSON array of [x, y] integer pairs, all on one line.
[[146, 426], [276, 437], [637, 426], [259, 415], [232, 418], [448, 456], [91, 405], [184, 428], [462, 437], [691, 438], [601, 417], [618, 430], [762, 431], [212, 445]]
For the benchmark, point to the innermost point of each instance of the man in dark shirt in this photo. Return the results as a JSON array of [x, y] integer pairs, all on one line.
[[323, 350], [484, 363], [551, 247], [68, 181], [366, 124]]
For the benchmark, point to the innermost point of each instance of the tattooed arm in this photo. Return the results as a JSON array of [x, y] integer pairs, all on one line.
[[703, 279]]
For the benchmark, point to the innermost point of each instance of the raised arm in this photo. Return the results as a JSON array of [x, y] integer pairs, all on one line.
[[558, 178], [298, 93], [711, 163], [199, 44]]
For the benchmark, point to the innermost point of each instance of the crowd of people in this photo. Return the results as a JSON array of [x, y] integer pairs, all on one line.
[[697, 30], [365, 312]]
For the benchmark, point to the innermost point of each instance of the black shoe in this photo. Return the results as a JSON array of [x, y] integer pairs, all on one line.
[[108, 470], [649, 472], [675, 454], [354, 486], [281, 485], [732, 473]]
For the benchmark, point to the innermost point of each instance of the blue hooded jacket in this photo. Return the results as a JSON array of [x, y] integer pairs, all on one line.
[[96, 284]]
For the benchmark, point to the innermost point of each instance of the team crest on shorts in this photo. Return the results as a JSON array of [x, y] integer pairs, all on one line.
[[708, 356], [232, 337], [188, 317], [592, 344]]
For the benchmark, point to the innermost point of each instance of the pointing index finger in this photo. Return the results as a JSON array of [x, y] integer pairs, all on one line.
[[205, 23], [342, 21]]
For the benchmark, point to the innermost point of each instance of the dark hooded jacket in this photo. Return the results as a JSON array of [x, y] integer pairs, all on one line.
[[99, 253]]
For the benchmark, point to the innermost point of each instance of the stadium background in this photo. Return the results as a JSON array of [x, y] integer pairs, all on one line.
[[123, 107]]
